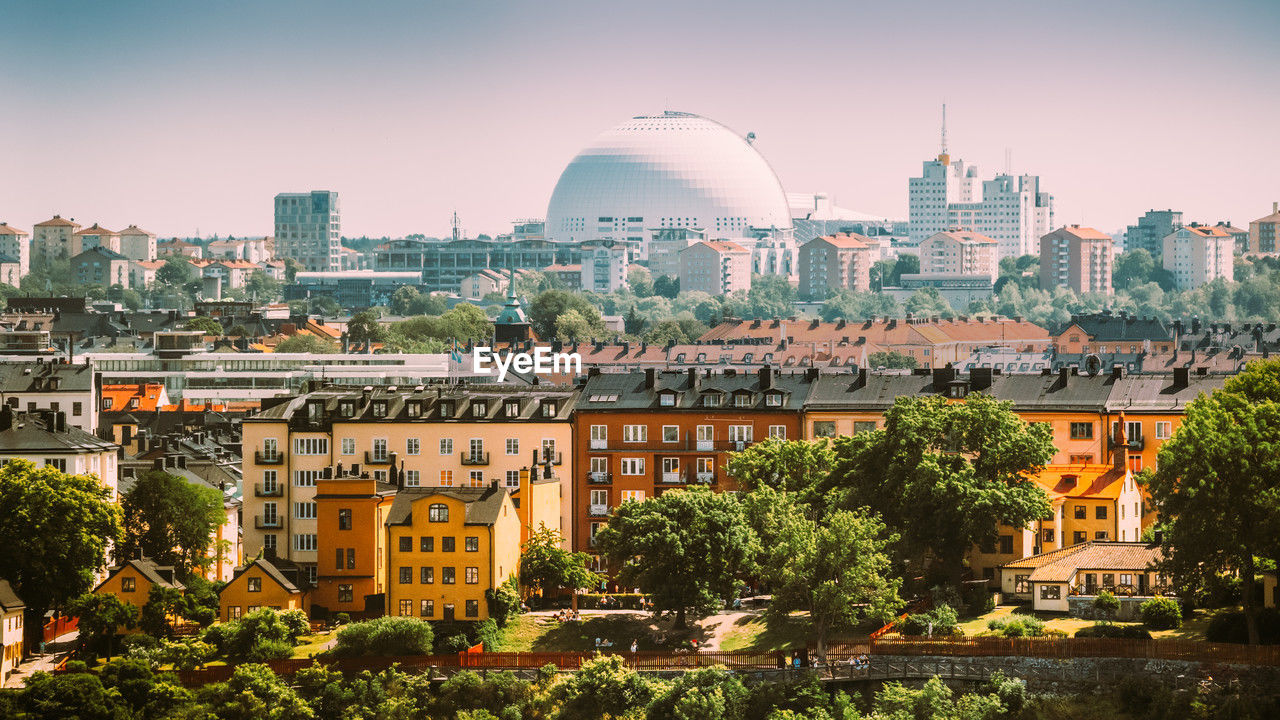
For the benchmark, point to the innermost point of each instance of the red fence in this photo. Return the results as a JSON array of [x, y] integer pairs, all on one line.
[[60, 625], [1191, 650]]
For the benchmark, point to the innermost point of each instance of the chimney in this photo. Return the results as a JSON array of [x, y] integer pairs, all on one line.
[[1181, 377], [980, 378], [649, 375], [693, 379], [766, 377], [1158, 538], [942, 376], [861, 382], [1122, 446]]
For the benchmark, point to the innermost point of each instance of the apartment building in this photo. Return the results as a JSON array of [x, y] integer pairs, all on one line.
[[830, 264], [53, 386], [101, 266], [351, 512], [447, 547], [1264, 233], [638, 434], [15, 244], [1199, 254], [55, 239], [308, 229], [178, 248], [715, 267], [1151, 229], [96, 236], [137, 244], [436, 436], [665, 246], [1078, 258], [604, 265], [45, 439], [960, 252]]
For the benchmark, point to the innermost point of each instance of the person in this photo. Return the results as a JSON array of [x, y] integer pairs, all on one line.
[[694, 644], [635, 645]]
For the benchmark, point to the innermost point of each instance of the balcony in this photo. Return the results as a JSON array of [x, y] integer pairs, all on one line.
[[598, 510], [554, 458], [599, 478], [372, 458], [705, 445], [261, 522], [470, 458], [706, 478], [1136, 443], [672, 477], [272, 490], [599, 444], [261, 458]]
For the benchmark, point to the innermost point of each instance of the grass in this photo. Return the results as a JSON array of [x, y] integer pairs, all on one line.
[[309, 645], [542, 633], [1192, 629], [753, 633]]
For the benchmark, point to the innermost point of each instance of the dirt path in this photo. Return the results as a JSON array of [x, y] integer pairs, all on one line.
[[717, 627]]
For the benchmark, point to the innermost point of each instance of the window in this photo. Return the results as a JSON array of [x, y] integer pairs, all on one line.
[[344, 519], [128, 584], [1022, 583], [348, 446], [472, 576], [513, 478], [1100, 535], [269, 542], [254, 584], [824, 428], [513, 446], [1050, 592], [379, 408], [1081, 459], [406, 544], [340, 555], [667, 400], [477, 447], [310, 446], [413, 446], [379, 449], [106, 403], [473, 608], [773, 400], [670, 433], [346, 594], [446, 478], [637, 495], [1135, 463], [860, 427], [632, 466], [351, 558], [426, 575], [1081, 512], [739, 433], [1081, 431], [1126, 579], [304, 511], [59, 463], [77, 408], [1078, 537], [472, 543], [479, 408], [1100, 512], [406, 607], [412, 478], [446, 446], [427, 544], [446, 575], [1164, 430], [511, 408], [1133, 431], [413, 408], [447, 544], [742, 400], [438, 512], [599, 466], [304, 542], [406, 575], [711, 400], [1006, 544], [599, 437], [635, 433], [547, 408], [476, 478], [1048, 536], [778, 432], [305, 478], [269, 481], [428, 608]]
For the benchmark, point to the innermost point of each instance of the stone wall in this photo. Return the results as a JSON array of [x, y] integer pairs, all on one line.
[[1081, 606]]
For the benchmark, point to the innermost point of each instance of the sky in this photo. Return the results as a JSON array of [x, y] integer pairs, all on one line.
[[186, 117]]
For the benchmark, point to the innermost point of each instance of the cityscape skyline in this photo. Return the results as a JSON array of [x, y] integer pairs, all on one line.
[[414, 111]]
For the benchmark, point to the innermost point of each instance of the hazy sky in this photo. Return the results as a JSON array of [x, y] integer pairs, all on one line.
[[181, 116]]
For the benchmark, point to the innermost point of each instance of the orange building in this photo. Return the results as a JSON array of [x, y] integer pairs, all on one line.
[[134, 397], [264, 583], [351, 512], [133, 580]]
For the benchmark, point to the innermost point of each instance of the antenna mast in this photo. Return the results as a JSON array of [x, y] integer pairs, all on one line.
[[944, 128], [457, 232]]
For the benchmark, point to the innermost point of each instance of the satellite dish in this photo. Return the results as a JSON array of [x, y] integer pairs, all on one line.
[[1092, 365], [751, 137]]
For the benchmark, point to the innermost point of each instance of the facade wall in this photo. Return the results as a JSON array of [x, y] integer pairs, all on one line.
[[344, 580], [236, 600], [11, 641], [117, 585]]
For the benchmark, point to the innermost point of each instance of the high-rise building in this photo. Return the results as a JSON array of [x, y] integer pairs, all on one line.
[[1198, 254], [137, 244], [1152, 228], [1264, 233], [55, 238], [15, 245], [715, 267], [604, 265], [307, 229], [1078, 258], [97, 236], [960, 252], [834, 263]]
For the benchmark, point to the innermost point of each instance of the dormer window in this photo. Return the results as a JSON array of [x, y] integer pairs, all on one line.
[[742, 399], [347, 408], [106, 403], [413, 408], [548, 408], [667, 399], [479, 408], [511, 408], [446, 409], [379, 408], [711, 400], [315, 410], [957, 390], [702, 357], [133, 403], [773, 399]]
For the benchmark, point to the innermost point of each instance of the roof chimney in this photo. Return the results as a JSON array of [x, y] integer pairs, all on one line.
[[1122, 446], [766, 377]]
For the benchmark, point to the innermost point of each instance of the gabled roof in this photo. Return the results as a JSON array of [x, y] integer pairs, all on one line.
[[1084, 233], [1206, 231], [7, 229], [1106, 327], [105, 252], [483, 504], [1095, 482], [57, 221], [96, 229], [269, 567], [1110, 555], [845, 240], [9, 600], [162, 575], [134, 230], [965, 237]]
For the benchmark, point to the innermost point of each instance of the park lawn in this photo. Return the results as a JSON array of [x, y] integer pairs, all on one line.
[[310, 645], [1052, 621], [753, 633], [542, 633]]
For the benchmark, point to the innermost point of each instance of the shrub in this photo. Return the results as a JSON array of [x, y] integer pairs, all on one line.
[[1109, 630], [1230, 627], [1106, 602], [942, 619], [979, 601], [504, 601], [190, 654], [391, 635], [342, 618], [1018, 627], [237, 638], [269, 649], [487, 632], [1161, 613], [452, 644]]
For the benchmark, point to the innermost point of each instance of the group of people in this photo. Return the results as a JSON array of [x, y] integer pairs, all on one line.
[[566, 615], [859, 662]]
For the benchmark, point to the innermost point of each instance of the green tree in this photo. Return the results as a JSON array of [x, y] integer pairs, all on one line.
[[891, 359], [364, 327], [573, 326], [770, 296], [403, 299], [175, 273], [390, 635], [640, 281], [927, 302], [546, 310], [602, 688], [72, 695], [681, 332], [306, 343], [254, 692], [171, 521], [904, 265], [685, 548], [712, 693], [205, 324], [1216, 486], [945, 476], [102, 616], [324, 305], [56, 532], [291, 269], [261, 287], [162, 602], [796, 466], [546, 566], [666, 286]]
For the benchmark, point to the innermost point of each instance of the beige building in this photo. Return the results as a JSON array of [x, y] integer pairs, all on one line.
[[137, 244], [1050, 579], [432, 437], [1264, 233], [485, 282], [1078, 258], [960, 252], [142, 273], [1198, 254], [837, 262], [55, 238], [15, 244], [45, 439], [11, 612], [97, 236], [665, 245], [715, 267]]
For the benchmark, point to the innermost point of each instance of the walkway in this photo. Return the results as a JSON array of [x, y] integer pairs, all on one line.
[[54, 652]]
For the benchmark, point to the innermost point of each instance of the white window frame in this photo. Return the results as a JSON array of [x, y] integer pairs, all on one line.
[[632, 466], [778, 432], [446, 446], [413, 446], [513, 446], [348, 446], [304, 511], [1164, 429], [635, 433], [670, 433]]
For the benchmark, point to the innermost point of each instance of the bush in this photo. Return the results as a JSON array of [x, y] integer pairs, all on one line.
[[1025, 626], [503, 602], [1109, 630], [237, 638], [979, 601], [389, 635], [450, 644], [342, 618], [269, 649], [1161, 613], [1230, 627], [1106, 602], [942, 619]]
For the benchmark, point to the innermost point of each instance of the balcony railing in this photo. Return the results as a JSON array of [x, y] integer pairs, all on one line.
[[266, 522], [705, 477], [683, 446], [599, 478], [599, 443], [1137, 444], [372, 458], [272, 490], [554, 458], [706, 445], [672, 477], [470, 458], [598, 510], [262, 458]]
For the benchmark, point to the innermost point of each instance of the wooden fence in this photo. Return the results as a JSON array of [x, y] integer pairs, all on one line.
[[60, 625], [1191, 650]]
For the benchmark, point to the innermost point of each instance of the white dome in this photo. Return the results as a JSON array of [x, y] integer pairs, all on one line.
[[669, 170]]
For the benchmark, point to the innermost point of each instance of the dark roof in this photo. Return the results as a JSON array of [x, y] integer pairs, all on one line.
[[1161, 392], [286, 573], [25, 377], [632, 390], [1106, 327], [162, 575], [877, 391], [483, 504], [105, 252], [458, 400], [28, 432], [9, 600]]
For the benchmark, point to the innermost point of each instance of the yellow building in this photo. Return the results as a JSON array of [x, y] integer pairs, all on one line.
[[132, 581], [437, 436], [11, 610], [1270, 591], [446, 547], [264, 583]]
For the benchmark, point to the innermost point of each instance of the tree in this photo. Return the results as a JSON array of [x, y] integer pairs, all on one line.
[[170, 521], [640, 281], [602, 688], [680, 332], [713, 693], [324, 305], [572, 326], [306, 343], [56, 532], [176, 272], [547, 308], [162, 603], [944, 476], [403, 299], [261, 287], [70, 695], [666, 286], [795, 466], [390, 635], [891, 359], [927, 302], [770, 296], [1216, 486], [903, 265], [363, 327], [205, 324], [254, 692], [101, 616], [686, 548], [836, 569], [291, 269], [545, 565]]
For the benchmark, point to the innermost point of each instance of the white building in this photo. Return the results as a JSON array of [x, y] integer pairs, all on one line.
[[715, 267], [97, 236], [776, 255], [307, 229], [11, 612], [665, 245], [1198, 254], [16, 245], [142, 273], [960, 252], [137, 244], [45, 439], [57, 387], [604, 265]]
